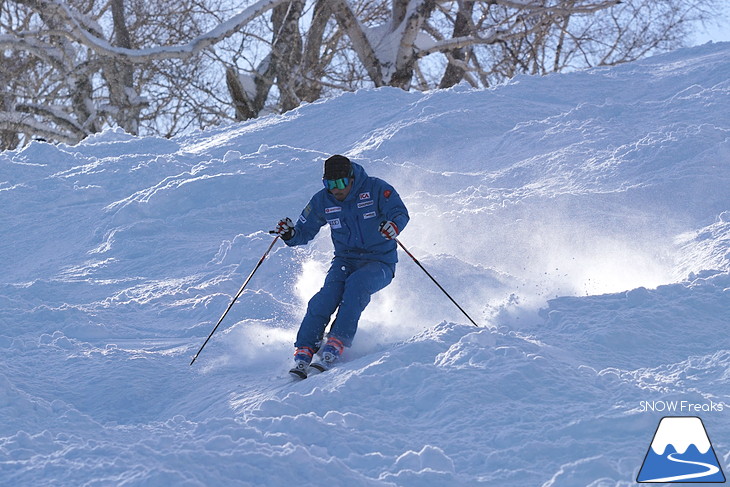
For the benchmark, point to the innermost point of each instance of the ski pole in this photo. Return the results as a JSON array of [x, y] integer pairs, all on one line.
[[435, 281], [240, 291]]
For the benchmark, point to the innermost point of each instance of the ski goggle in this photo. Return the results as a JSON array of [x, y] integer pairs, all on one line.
[[340, 183]]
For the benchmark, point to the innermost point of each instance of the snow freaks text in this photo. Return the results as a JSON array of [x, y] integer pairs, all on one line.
[[681, 407]]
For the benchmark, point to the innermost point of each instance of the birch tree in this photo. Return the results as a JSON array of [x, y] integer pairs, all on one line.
[[73, 67]]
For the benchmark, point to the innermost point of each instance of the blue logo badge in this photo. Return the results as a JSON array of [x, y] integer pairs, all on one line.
[[680, 452]]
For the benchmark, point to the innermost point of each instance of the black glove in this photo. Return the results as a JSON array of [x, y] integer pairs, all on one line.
[[285, 228], [389, 230]]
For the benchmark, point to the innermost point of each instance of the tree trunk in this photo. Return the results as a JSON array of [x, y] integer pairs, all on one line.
[[407, 56], [9, 138], [349, 24], [119, 76], [249, 104], [454, 72], [286, 51], [312, 70], [398, 13]]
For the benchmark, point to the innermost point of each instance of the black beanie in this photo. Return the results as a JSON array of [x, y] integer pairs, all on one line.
[[337, 167]]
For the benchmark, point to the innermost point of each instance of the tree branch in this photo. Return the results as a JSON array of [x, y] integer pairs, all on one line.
[[79, 31], [18, 122], [349, 23]]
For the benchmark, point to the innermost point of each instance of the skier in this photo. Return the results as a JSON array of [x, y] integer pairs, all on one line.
[[364, 214]]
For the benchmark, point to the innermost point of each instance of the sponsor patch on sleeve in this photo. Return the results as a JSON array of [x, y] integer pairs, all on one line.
[[387, 193]]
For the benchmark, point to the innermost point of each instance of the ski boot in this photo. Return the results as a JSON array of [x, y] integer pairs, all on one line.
[[331, 353], [302, 359]]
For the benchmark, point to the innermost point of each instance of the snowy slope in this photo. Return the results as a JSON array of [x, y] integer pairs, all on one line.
[[583, 219]]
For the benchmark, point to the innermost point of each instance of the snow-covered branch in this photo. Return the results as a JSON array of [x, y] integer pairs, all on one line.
[[32, 45], [80, 31], [24, 123], [350, 24], [565, 7], [73, 67], [55, 114]]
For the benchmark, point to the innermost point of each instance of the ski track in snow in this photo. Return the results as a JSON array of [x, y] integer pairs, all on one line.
[[583, 219]]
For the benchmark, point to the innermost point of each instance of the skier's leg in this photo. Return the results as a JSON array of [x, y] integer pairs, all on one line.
[[358, 287], [322, 305]]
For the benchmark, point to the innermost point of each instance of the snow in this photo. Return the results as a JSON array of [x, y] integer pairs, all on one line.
[[581, 219]]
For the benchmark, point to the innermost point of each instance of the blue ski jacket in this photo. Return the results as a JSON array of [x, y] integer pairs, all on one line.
[[354, 223]]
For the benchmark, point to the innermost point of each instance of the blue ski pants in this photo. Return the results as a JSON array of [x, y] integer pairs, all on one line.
[[348, 286]]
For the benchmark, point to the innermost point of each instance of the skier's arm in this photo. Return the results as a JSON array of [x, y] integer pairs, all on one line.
[[393, 208], [307, 226]]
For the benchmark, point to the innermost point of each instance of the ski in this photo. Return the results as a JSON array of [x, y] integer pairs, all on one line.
[[325, 363], [299, 372], [302, 369], [319, 367]]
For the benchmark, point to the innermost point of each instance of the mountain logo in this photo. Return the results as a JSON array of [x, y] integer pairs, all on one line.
[[680, 452]]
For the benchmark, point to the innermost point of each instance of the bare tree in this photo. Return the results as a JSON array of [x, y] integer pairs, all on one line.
[[87, 64], [280, 66], [72, 67]]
